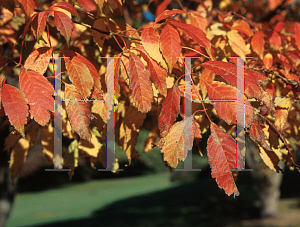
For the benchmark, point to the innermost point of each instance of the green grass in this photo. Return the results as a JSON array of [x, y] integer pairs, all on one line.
[[79, 201]]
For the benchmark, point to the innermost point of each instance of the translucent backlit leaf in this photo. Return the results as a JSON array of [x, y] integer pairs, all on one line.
[[281, 113], [79, 74], [64, 24], [39, 23], [229, 110], [157, 73], [258, 135], [38, 91], [168, 13], [39, 59], [257, 43], [229, 72], [15, 106], [170, 45], [242, 26], [178, 141], [237, 43], [223, 156], [140, 84], [150, 41], [78, 112], [268, 60], [196, 34], [28, 6], [169, 111]]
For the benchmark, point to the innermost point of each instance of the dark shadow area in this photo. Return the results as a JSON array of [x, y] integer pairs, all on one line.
[[198, 203]]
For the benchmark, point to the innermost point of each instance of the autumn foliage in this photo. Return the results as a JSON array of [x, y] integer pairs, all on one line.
[[149, 71]]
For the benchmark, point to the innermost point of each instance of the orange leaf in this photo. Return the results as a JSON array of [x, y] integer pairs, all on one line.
[[258, 43], [140, 84], [229, 72], [169, 111], [28, 6], [168, 13], [195, 34], [243, 27], [178, 141], [170, 45], [275, 40], [206, 75], [93, 71], [150, 43], [66, 6], [79, 74], [157, 73], [78, 112], [39, 93], [39, 59], [15, 106], [237, 43], [39, 23], [268, 60], [64, 24], [223, 156], [281, 113], [228, 109], [258, 135]]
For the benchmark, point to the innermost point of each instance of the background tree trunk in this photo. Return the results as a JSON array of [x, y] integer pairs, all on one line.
[[266, 181]]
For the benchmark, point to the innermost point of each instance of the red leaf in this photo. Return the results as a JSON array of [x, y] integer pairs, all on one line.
[[207, 75], [39, 59], [275, 40], [258, 43], [228, 109], [78, 112], [178, 141], [140, 84], [150, 43], [195, 34], [223, 156], [15, 106], [28, 6], [170, 45], [79, 74], [162, 7], [169, 111], [157, 73], [168, 13], [39, 93], [39, 24], [87, 5], [258, 135], [64, 24], [297, 34], [66, 6], [93, 71], [229, 72]]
